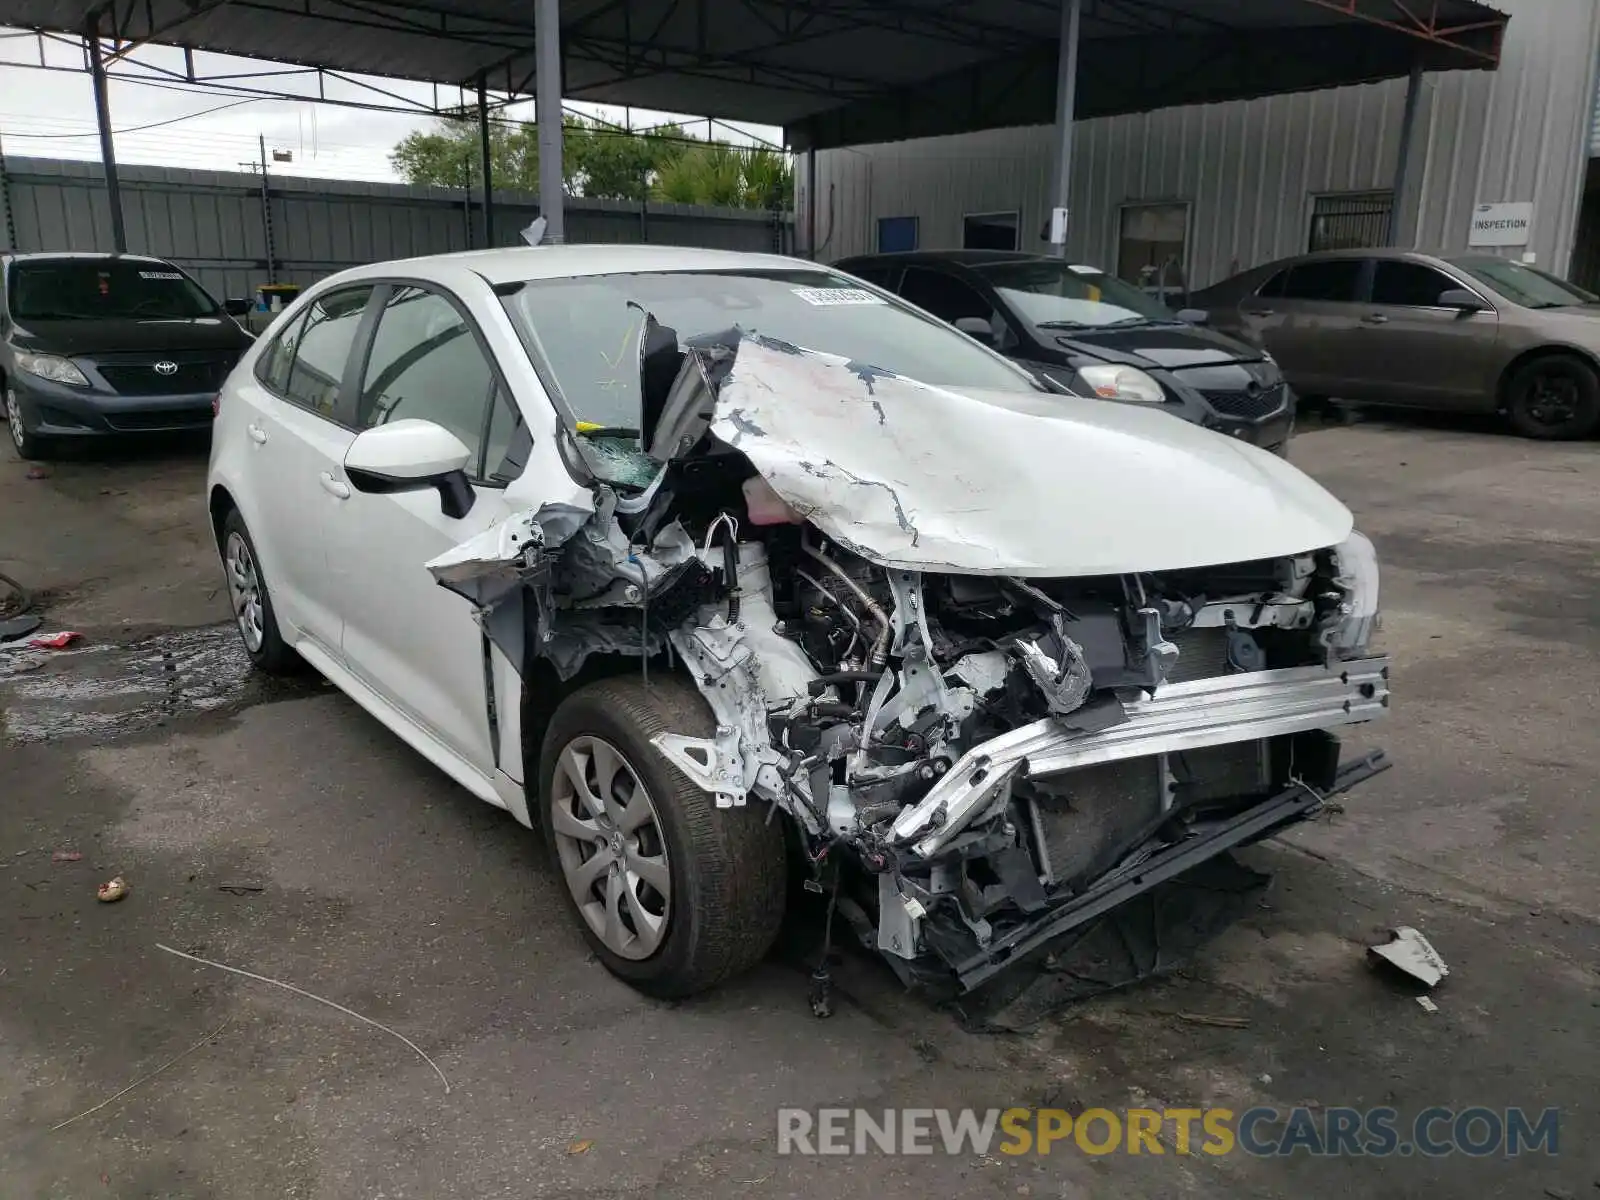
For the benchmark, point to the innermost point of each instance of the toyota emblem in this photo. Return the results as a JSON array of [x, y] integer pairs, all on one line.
[[166, 367]]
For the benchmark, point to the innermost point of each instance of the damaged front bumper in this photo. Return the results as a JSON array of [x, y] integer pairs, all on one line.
[[926, 903], [1294, 803], [1182, 716]]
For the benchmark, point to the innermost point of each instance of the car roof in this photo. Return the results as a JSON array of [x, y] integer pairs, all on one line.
[[79, 255], [960, 258], [519, 263]]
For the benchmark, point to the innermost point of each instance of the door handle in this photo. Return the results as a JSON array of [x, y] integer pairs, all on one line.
[[1374, 319], [333, 487], [257, 434], [1259, 312]]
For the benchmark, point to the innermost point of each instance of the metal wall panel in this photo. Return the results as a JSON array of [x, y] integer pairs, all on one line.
[[210, 222], [1251, 170]]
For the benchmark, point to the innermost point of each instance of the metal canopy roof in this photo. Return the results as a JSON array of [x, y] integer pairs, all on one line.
[[832, 72]]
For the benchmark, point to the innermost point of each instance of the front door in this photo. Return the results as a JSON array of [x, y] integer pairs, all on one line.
[[413, 642], [1409, 349]]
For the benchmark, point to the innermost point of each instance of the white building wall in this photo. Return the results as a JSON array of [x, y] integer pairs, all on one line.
[[1250, 170]]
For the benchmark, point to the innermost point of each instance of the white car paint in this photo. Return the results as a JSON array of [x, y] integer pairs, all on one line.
[[1011, 483], [1107, 485]]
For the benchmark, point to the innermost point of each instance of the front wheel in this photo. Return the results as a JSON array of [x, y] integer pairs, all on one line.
[[1554, 398], [252, 603], [673, 894], [29, 444]]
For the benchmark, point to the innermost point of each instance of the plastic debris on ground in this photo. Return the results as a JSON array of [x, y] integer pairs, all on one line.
[[66, 856], [1411, 953], [1427, 1004], [1150, 936], [112, 890], [55, 641]]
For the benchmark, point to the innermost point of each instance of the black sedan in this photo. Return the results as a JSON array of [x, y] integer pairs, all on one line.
[[1096, 334], [100, 344]]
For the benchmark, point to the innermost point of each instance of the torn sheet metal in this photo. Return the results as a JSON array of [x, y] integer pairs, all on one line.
[[915, 476], [1408, 951]]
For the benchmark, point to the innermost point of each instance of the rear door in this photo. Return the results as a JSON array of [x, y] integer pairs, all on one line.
[[413, 642], [297, 443], [1305, 316], [1409, 349]]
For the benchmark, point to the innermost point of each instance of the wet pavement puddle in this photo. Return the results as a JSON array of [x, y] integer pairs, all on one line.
[[107, 690]]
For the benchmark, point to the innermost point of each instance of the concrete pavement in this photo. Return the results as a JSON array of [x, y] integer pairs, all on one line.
[[386, 889]]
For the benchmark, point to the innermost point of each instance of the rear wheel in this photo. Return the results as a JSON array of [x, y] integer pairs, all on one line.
[[1554, 398], [252, 602], [673, 894], [28, 443]]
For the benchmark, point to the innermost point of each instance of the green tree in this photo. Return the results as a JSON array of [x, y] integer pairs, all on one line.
[[717, 173], [600, 162]]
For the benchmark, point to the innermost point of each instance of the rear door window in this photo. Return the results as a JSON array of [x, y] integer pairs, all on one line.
[[1274, 287], [1334, 280], [320, 349]]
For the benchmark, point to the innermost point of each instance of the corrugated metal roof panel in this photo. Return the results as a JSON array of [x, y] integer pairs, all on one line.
[[833, 73]]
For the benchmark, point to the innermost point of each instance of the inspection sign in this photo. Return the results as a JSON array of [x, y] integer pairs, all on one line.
[[1501, 224]]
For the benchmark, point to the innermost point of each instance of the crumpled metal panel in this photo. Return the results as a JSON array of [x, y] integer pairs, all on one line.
[[1008, 483]]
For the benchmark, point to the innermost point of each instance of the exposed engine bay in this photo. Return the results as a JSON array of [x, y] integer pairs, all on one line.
[[988, 749]]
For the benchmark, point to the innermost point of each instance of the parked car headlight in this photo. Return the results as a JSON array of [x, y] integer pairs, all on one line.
[[52, 367], [1355, 564], [1111, 382]]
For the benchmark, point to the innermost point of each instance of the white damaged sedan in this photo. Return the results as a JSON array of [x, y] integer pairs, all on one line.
[[720, 566]]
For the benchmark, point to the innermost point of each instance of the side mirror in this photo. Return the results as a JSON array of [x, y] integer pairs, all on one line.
[[408, 456], [236, 306], [977, 327], [1193, 316], [1461, 300]]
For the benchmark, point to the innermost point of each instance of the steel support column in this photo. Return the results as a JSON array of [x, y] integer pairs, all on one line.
[[108, 154], [547, 105], [1402, 166], [811, 204], [1066, 110], [487, 161]]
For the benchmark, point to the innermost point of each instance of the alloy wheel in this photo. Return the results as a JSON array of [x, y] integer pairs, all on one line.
[[1553, 399], [244, 589], [14, 418], [609, 841]]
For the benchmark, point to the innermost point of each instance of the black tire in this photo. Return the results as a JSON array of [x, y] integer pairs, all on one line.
[[726, 866], [1555, 397], [273, 656], [28, 445]]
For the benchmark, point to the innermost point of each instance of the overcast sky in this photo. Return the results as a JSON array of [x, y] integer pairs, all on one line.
[[50, 114]]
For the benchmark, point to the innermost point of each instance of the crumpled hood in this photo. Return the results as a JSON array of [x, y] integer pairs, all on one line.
[[992, 483]]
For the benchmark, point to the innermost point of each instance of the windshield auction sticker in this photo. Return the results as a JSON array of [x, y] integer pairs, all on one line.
[[831, 297]]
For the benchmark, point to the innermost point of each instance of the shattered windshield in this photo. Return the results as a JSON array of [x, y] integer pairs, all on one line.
[[585, 330]]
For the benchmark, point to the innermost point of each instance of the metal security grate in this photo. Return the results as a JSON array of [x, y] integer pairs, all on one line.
[[1351, 222]]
